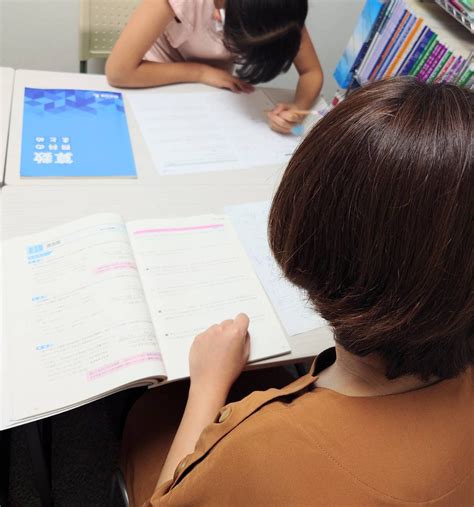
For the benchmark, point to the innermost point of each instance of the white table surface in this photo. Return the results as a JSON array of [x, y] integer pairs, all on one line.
[[30, 209], [146, 172], [7, 77]]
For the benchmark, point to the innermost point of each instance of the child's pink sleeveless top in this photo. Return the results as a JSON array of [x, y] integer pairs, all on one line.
[[191, 37]]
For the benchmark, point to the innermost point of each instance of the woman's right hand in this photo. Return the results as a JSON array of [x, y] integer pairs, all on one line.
[[218, 356], [222, 79]]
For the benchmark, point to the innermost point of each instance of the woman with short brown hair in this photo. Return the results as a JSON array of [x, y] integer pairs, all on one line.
[[373, 218]]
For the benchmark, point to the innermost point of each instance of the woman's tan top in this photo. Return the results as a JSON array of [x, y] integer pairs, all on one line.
[[302, 445]]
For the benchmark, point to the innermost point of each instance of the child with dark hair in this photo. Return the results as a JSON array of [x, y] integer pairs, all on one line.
[[178, 41]]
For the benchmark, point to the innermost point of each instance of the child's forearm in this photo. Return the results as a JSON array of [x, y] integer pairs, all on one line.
[[149, 74], [308, 89]]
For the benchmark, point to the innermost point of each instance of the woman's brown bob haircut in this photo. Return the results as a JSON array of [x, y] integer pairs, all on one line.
[[374, 219]]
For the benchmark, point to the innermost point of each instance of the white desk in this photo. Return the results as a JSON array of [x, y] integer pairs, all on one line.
[[7, 77], [31, 205], [31, 209], [146, 172]]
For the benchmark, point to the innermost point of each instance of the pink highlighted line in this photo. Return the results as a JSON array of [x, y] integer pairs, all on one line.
[[121, 364], [114, 266], [178, 229]]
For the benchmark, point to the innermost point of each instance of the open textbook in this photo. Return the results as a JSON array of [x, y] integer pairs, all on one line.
[[99, 305]]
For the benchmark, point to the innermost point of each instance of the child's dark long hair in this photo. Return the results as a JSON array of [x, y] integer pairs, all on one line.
[[264, 36]]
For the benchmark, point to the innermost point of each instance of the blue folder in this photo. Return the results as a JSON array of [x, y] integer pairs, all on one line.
[[75, 133]]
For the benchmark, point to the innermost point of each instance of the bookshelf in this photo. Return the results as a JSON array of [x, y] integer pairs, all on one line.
[[457, 14], [407, 38]]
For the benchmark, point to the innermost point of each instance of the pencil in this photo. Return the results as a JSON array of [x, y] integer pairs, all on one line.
[[298, 111], [306, 112]]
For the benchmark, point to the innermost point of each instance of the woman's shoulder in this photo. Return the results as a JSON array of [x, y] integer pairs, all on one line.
[[373, 446], [302, 414]]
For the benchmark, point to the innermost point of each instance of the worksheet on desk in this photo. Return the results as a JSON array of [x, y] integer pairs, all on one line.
[[290, 303], [210, 131]]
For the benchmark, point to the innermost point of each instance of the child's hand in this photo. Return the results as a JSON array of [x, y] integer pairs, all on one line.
[[285, 117], [222, 79], [218, 356]]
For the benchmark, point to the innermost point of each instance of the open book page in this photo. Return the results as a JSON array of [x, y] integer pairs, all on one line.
[[251, 223], [195, 273], [209, 131], [76, 320]]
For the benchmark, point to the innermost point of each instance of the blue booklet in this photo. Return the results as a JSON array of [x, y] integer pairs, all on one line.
[[75, 133]]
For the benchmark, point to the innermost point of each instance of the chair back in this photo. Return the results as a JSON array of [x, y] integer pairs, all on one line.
[[101, 22]]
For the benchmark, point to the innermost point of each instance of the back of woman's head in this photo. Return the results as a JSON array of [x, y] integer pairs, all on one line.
[[264, 36], [374, 219]]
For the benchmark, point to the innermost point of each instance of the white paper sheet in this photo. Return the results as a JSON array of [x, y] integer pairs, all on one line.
[[250, 221], [195, 274], [209, 131]]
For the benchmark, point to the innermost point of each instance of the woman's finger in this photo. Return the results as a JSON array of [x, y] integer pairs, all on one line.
[[247, 345], [242, 321]]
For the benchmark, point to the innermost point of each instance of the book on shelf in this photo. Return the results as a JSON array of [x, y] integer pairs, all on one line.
[[423, 58], [389, 36], [407, 49], [430, 63], [444, 65], [405, 27], [359, 42], [466, 77], [99, 305], [440, 65], [417, 52], [405, 46], [415, 38], [381, 39]]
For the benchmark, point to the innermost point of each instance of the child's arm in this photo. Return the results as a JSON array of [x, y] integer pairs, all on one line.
[[282, 119], [126, 68]]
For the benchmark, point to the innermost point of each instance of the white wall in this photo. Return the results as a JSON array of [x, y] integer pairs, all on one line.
[[43, 34], [39, 34]]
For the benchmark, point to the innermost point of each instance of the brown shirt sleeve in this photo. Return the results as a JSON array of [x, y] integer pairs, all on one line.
[[198, 473]]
